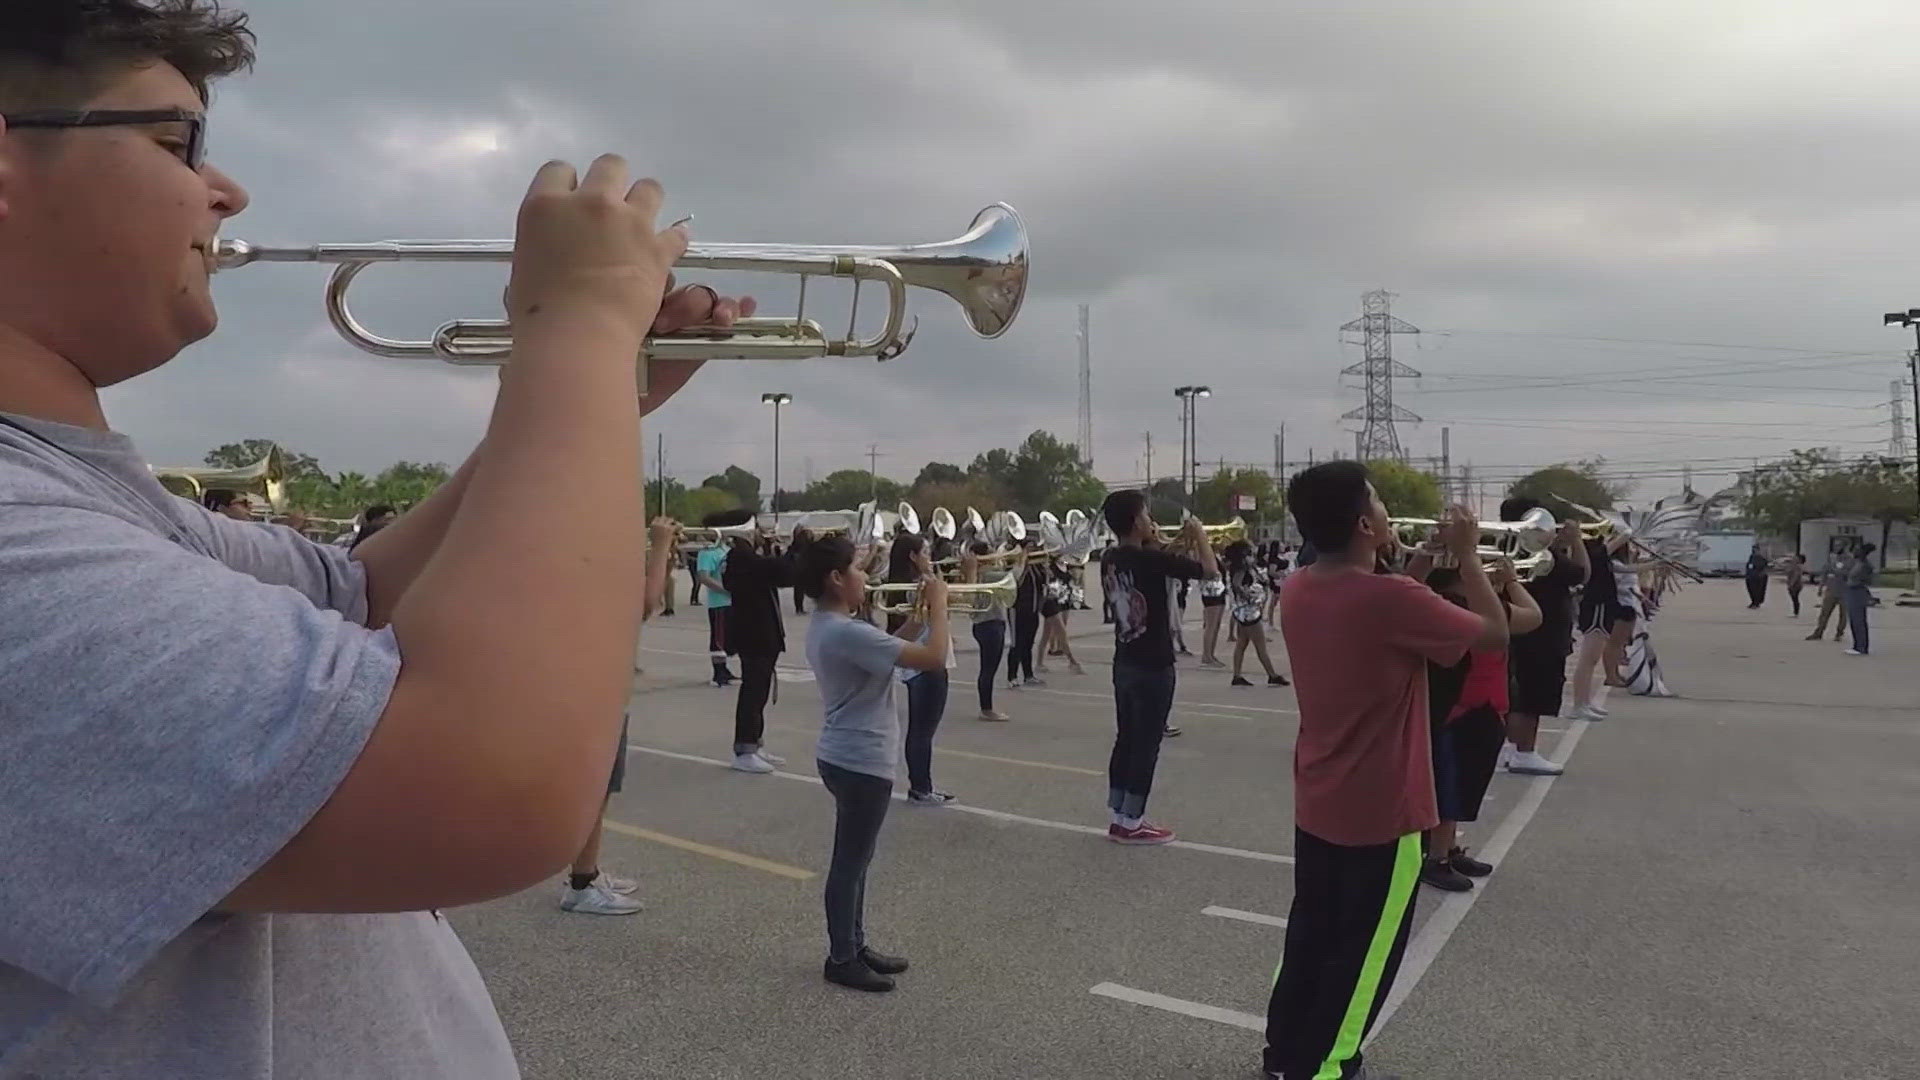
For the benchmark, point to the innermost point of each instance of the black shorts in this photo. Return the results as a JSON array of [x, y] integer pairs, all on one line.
[[619, 778], [1596, 618], [1049, 608], [717, 631], [1538, 675], [1212, 601], [1466, 750]]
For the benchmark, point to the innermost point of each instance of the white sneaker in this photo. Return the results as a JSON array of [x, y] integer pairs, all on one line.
[[616, 884], [752, 763], [1587, 712], [774, 760], [1531, 763], [994, 715], [1855, 652], [597, 900], [931, 798]]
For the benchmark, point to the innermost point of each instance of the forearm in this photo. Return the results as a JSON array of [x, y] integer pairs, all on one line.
[[1483, 601], [394, 556], [530, 630], [659, 565]]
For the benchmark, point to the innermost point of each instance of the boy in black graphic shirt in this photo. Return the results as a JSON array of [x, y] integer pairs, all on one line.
[[1134, 576]]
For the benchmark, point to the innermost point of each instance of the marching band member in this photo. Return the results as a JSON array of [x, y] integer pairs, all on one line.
[[1136, 578], [1363, 772], [854, 663], [290, 755]]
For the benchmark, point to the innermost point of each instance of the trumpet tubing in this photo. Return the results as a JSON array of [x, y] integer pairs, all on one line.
[[984, 271], [904, 597]]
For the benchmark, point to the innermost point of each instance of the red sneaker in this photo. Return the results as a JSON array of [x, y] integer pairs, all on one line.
[[1145, 834]]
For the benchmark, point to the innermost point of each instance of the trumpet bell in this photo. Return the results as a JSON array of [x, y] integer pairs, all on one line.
[[909, 519]]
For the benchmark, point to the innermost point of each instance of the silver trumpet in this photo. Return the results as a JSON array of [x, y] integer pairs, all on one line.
[[983, 270]]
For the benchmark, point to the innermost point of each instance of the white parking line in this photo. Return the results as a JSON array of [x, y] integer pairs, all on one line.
[[1244, 916], [1446, 918], [1425, 946], [1185, 1008], [997, 815]]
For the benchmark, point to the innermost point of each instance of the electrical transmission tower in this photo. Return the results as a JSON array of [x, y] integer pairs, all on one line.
[[1378, 439]]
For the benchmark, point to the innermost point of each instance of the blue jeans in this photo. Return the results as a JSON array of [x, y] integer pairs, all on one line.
[[992, 639], [860, 808], [1142, 698], [1855, 600], [926, 704]]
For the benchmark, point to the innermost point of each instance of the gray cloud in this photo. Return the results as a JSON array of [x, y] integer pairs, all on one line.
[[1219, 180]]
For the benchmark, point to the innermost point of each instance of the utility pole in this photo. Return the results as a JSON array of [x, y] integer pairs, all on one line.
[[1466, 485], [1897, 441], [1149, 436], [660, 468], [873, 471], [1911, 318], [1446, 461], [1086, 391]]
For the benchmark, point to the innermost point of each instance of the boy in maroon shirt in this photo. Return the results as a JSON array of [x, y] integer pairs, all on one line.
[[1363, 766]]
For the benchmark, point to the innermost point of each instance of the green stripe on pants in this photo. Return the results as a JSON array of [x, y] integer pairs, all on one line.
[[1353, 1026]]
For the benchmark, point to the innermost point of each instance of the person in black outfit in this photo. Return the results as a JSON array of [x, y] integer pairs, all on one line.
[[1756, 579], [757, 634], [1026, 622], [1538, 660], [802, 539], [1135, 578]]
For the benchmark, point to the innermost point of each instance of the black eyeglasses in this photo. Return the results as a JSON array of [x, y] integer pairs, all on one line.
[[194, 153]]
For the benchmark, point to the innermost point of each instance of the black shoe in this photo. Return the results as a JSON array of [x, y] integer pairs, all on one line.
[[1278, 680], [1239, 681], [857, 975], [1466, 864], [1437, 873], [1169, 732], [882, 963]]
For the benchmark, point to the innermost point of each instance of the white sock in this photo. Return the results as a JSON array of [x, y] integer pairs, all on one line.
[[1130, 823]]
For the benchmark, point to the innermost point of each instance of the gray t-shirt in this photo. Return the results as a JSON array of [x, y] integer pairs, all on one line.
[[179, 694], [853, 664]]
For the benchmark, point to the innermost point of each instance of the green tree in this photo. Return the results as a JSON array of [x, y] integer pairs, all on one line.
[[845, 489], [1213, 499], [1407, 491], [939, 472], [744, 485], [996, 466], [701, 501], [1817, 483], [1167, 500], [1580, 481], [248, 451], [1043, 474], [956, 497]]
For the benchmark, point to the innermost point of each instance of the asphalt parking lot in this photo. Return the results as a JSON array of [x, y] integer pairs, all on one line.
[[1716, 888]]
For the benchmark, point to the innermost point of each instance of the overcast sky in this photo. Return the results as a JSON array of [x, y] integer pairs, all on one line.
[[1657, 232]]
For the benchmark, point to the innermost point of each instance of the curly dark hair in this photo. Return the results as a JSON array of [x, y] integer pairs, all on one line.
[[60, 54]]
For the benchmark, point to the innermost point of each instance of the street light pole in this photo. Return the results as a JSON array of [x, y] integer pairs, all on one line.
[[776, 400]]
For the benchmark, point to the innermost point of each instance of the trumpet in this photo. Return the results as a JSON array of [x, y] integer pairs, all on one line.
[[904, 597], [1225, 533], [983, 270], [698, 536], [1525, 542]]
